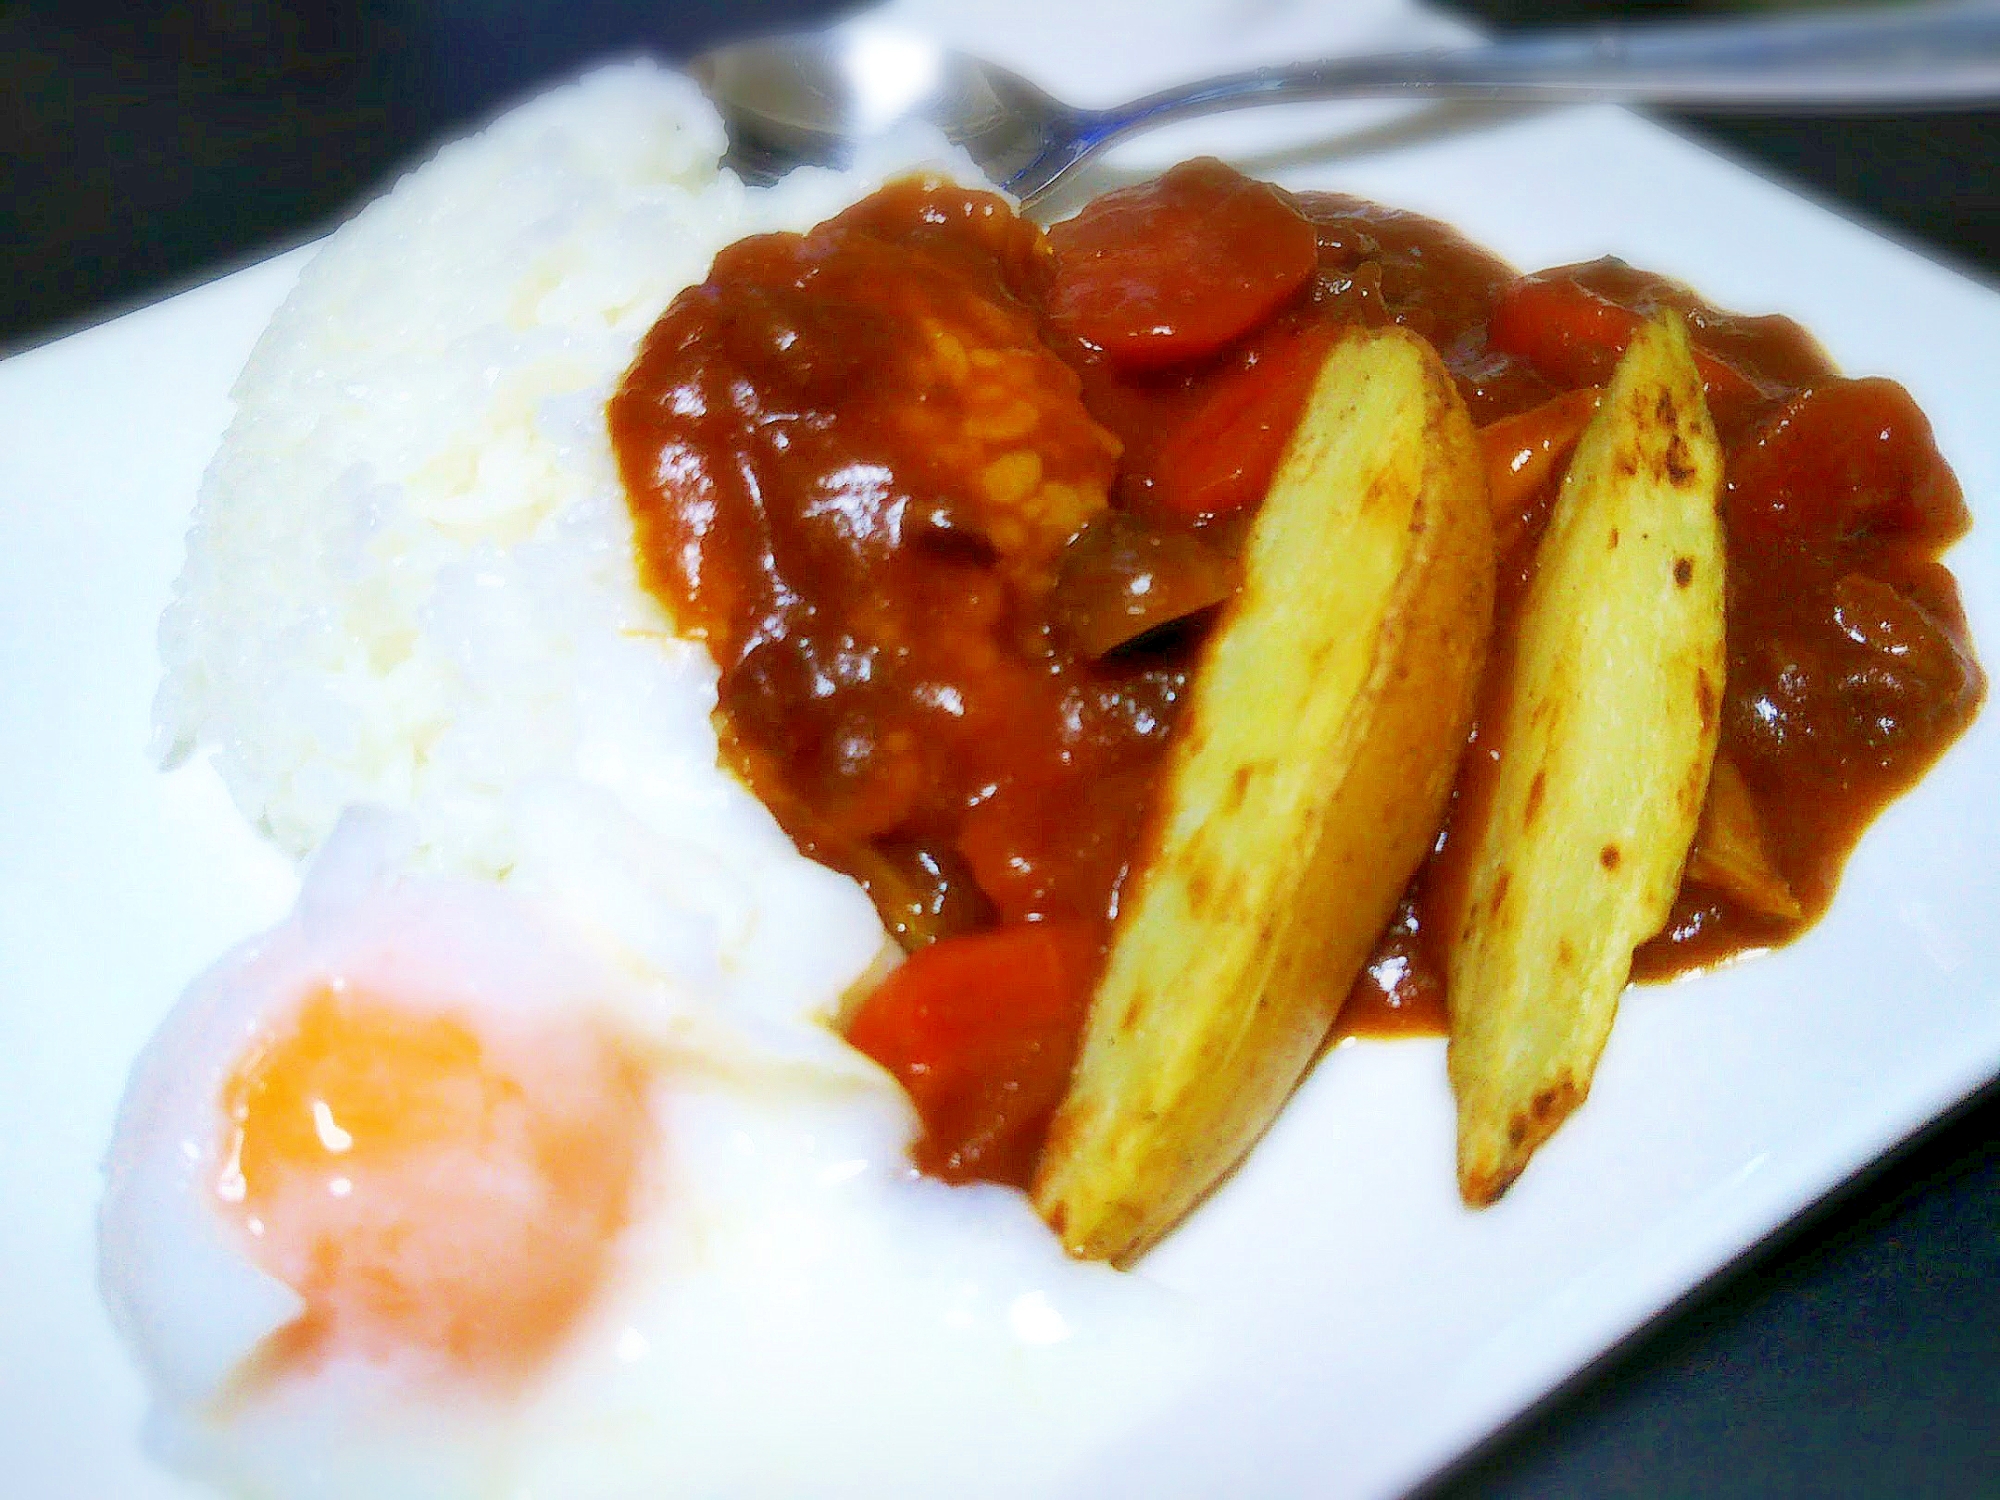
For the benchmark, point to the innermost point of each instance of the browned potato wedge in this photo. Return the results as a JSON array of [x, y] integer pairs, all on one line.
[[1308, 780], [1607, 727]]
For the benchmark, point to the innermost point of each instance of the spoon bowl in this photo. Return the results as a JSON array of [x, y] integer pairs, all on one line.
[[814, 98]]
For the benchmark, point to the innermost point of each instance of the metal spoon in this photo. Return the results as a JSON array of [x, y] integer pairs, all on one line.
[[810, 97]]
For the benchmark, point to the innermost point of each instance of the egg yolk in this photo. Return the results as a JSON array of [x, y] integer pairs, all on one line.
[[426, 1191]]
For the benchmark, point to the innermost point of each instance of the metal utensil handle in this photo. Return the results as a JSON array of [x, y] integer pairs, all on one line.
[[1928, 55]]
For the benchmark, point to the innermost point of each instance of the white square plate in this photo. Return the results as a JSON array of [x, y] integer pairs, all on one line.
[[1374, 1329]]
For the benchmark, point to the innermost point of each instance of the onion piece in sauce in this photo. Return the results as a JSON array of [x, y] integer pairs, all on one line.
[[1120, 579]]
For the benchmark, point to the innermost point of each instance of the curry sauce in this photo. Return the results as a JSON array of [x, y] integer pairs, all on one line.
[[952, 502]]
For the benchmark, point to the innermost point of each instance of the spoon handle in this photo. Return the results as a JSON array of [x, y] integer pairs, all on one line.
[[1927, 55]]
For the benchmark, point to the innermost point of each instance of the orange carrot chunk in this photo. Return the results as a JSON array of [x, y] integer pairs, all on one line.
[[1174, 269], [1524, 453], [1574, 336], [982, 1031], [1220, 460]]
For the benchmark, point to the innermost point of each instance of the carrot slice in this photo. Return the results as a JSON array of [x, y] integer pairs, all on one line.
[[1523, 453], [1575, 336], [1220, 460], [1840, 459], [981, 1030], [1176, 268]]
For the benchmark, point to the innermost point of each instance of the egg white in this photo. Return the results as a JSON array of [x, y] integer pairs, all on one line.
[[791, 1310], [410, 584]]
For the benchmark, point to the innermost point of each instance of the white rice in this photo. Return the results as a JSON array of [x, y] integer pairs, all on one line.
[[411, 582], [410, 577]]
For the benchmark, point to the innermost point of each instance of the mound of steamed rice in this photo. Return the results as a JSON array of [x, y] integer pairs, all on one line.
[[411, 582], [410, 577]]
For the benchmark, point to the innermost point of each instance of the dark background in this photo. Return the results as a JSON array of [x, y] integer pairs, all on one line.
[[147, 148]]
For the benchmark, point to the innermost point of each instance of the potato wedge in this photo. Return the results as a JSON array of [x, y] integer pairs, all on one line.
[[1309, 777], [1606, 730]]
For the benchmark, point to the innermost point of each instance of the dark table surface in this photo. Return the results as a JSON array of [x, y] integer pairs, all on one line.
[[149, 148]]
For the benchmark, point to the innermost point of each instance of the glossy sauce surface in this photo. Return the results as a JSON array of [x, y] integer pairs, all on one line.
[[856, 468], [952, 502]]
